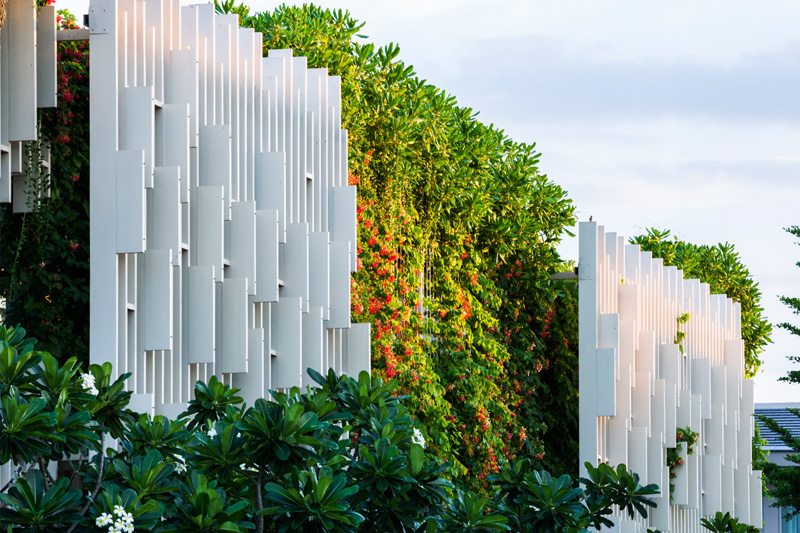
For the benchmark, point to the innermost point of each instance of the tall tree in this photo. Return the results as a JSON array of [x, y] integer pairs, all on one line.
[[786, 479]]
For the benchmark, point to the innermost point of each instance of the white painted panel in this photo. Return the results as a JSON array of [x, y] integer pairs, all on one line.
[[608, 331], [343, 211], [669, 359], [319, 264], [287, 365], [693, 480], [5, 174], [656, 460], [646, 354], [658, 405], [680, 494], [215, 159], [627, 344], [164, 213], [157, 309], [270, 187], [701, 384], [22, 198], [628, 302], [181, 86], [142, 403], [684, 413], [46, 86], [20, 30], [313, 338], [713, 430], [243, 243], [712, 481], [252, 382], [210, 229], [175, 143], [670, 416], [618, 426], [137, 122], [641, 399], [296, 267], [357, 358], [200, 310], [234, 326], [131, 233], [755, 501], [340, 285], [266, 256], [718, 388], [637, 451], [744, 437], [606, 382], [727, 486]]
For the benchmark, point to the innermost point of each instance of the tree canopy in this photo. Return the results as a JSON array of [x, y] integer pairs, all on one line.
[[718, 265], [786, 479]]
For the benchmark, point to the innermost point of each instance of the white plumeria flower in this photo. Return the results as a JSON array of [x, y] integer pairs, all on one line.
[[212, 432], [119, 510], [417, 438], [180, 465], [87, 382], [104, 520], [244, 466]]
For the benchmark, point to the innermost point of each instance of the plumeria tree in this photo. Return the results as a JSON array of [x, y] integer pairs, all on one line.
[[344, 456]]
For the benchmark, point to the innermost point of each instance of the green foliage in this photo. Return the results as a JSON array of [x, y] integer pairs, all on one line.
[[536, 501], [210, 402], [719, 266], [456, 242], [471, 512], [31, 506], [785, 480], [674, 459], [724, 523], [343, 457]]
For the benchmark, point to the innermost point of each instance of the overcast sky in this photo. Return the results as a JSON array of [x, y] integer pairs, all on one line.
[[681, 115]]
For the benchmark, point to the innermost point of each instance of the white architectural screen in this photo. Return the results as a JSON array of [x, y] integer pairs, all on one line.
[[27, 83], [223, 230], [637, 385]]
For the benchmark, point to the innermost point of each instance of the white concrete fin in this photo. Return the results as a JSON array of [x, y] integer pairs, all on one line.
[[662, 386]]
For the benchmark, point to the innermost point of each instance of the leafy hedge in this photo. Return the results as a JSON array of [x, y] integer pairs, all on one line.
[[345, 456]]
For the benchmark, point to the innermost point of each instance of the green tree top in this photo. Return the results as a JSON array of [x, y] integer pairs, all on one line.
[[719, 266], [785, 480]]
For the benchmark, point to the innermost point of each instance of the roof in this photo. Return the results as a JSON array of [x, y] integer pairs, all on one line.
[[778, 412]]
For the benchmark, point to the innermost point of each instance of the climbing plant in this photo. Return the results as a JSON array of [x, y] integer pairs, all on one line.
[[456, 243]]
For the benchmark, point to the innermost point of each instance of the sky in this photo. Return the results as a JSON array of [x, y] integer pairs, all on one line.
[[682, 115]]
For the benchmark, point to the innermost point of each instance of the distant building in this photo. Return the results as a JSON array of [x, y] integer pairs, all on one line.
[[773, 516]]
